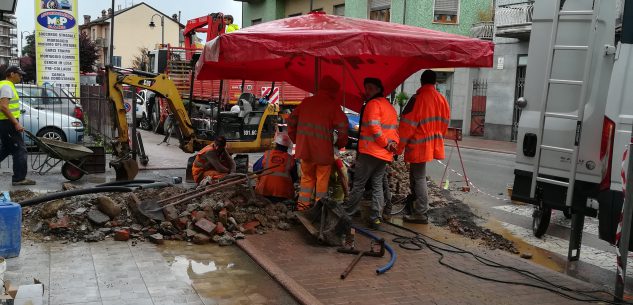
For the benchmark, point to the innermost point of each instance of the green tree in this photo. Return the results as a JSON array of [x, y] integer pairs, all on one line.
[[140, 60], [88, 53], [27, 61]]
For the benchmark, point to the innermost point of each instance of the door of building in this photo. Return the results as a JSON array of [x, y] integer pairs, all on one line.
[[478, 109]]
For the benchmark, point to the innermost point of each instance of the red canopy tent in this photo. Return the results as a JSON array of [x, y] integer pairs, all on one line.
[[301, 49]]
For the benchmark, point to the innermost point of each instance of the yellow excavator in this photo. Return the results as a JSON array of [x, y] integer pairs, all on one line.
[[251, 130]]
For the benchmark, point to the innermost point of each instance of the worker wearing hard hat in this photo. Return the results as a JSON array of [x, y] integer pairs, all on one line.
[[213, 162], [311, 125], [278, 183]]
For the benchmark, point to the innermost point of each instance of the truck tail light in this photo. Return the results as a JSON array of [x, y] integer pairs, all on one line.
[[606, 152]]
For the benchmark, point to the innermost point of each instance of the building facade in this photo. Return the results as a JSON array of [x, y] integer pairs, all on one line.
[[8, 40], [131, 32]]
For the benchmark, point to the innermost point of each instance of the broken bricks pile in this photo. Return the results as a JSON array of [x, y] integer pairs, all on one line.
[[220, 217]]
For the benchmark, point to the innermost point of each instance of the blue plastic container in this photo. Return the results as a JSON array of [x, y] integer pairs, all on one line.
[[10, 228]]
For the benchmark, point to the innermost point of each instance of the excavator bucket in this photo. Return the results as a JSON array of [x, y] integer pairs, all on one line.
[[125, 169]]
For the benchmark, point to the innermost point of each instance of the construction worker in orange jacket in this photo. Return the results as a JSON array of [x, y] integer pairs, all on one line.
[[376, 145], [213, 161], [423, 124], [278, 184], [311, 126]]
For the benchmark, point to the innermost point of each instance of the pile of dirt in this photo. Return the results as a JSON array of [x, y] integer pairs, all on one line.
[[445, 209], [221, 217]]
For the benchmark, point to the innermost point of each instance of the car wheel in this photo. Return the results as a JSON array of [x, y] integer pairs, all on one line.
[[52, 134]]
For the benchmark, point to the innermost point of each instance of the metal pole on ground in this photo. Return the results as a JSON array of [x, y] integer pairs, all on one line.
[[627, 210]]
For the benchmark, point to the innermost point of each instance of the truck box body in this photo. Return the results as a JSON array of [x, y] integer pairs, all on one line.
[[564, 98]]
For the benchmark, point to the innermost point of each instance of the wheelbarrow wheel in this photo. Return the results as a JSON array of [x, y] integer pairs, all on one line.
[[70, 172]]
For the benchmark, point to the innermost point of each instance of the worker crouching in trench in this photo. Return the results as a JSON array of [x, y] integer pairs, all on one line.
[[278, 184], [213, 162]]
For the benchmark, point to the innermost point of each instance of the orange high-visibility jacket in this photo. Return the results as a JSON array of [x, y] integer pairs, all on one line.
[[200, 165], [311, 126], [279, 182], [423, 126], [379, 126]]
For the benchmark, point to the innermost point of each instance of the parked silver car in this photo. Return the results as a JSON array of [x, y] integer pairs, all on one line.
[[50, 98], [51, 125]]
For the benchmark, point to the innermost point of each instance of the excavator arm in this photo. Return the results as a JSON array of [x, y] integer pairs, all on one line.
[[125, 166]]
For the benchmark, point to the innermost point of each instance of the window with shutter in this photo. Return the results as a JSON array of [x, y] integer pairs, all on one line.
[[446, 11], [380, 10], [339, 10]]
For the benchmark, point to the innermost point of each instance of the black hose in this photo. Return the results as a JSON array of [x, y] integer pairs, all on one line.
[[60, 195], [126, 182]]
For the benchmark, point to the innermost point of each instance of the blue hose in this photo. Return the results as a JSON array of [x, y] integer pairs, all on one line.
[[388, 266]]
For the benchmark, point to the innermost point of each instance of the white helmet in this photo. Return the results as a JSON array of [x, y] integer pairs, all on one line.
[[283, 139]]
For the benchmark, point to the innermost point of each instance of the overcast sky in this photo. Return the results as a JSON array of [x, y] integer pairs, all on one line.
[[189, 9]]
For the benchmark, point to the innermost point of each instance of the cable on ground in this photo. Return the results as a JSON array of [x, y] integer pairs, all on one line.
[[419, 240]]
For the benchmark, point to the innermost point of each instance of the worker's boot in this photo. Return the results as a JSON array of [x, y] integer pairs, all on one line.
[[386, 212], [419, 219]]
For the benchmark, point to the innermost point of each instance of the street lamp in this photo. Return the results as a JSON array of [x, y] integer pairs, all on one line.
[[162, 26]]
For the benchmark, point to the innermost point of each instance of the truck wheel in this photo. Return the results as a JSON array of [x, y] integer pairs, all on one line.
[[144, 123], [540, 220]]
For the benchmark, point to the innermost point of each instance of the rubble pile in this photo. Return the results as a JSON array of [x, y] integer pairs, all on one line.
[[221, 217]]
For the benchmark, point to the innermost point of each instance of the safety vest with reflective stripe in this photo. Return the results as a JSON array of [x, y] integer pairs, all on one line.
[[279, 182], [14, 103], [200, 164], [311, 126], [423, 126], [379, 126]]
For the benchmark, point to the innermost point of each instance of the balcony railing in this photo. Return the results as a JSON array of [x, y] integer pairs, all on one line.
[[514, 20], [483, 30]]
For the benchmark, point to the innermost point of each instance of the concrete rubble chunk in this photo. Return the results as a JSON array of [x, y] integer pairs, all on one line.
[[62, 223], [223, 216], [526, 255], [97, 217], [94, 236], [219, 228], [108, 206], [206, 226], [170, 212], [133, 203], [283, 226], [122, 235], [197, 215], [239, 235], [200, 239], [49, 209], [79, 211], [69, 186], [226, 240], [249, 227], [190, 233], [157, 238]]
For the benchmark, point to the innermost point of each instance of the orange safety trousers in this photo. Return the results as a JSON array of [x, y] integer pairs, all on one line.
[[314, 181]]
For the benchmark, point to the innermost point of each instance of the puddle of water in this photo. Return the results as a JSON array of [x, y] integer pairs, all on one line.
[[223, 275], [539, 256]]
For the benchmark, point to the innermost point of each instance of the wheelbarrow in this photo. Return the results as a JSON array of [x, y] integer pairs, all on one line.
[[73, 156]]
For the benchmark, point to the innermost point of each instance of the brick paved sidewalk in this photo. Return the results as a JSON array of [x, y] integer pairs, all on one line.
[[486, 145], [416, 278]]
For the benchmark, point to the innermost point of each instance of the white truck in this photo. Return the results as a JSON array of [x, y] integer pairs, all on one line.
[[577, 119]]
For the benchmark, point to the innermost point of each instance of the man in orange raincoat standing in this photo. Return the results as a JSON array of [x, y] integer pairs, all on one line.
[[423, 124], [311, 126]]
